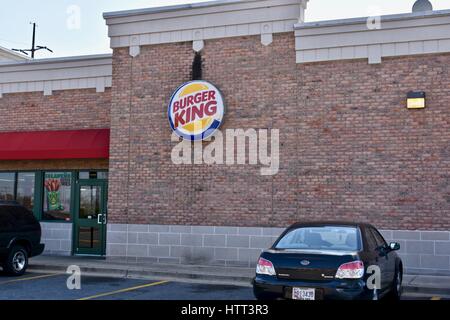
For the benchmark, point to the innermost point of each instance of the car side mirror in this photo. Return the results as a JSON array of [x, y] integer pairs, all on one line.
[[394, 246]]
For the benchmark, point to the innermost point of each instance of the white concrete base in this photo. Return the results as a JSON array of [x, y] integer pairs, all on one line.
[[425, 252], [57, 238]]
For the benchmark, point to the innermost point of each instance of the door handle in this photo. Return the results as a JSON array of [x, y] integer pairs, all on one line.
[[101, 219]]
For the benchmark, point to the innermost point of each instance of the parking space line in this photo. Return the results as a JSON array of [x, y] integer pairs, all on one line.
[[31, 278], [124, 290], [436, 298]]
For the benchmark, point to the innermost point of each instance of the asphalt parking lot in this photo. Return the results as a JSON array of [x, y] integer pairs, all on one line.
[[34, 286]]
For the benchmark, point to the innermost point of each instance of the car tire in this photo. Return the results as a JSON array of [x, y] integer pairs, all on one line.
[[17, 261], [396, 290]]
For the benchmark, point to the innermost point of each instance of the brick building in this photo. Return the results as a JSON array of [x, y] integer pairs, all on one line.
[[350, 149]]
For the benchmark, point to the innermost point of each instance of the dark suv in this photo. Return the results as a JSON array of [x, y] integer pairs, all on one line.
[[20, 238]]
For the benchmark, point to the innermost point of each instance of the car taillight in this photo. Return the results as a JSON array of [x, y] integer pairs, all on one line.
[[351, 270], [265, 267]]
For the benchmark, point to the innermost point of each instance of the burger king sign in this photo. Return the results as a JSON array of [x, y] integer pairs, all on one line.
[[196, 110]]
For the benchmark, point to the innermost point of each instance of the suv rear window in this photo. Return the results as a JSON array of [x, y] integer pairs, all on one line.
[[321, 238]]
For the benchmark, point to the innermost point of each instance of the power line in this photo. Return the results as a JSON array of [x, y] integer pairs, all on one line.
[[34, 47]]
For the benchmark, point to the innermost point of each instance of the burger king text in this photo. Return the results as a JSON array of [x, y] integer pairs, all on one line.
[[194, 107]]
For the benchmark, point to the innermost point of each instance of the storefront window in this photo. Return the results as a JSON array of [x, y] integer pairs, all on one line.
[[25, 189], [57, 196], [93, 175], [7, 184]]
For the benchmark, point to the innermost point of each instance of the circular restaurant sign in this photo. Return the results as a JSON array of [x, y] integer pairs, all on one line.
[[196, 110]]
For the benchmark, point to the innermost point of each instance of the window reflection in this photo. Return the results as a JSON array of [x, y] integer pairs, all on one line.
[[89, 202], [7, 182], [25, 189], [89, 238], [93, 175]]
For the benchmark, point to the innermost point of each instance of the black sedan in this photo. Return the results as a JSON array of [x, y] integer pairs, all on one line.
[[20, 238], [340, 261]]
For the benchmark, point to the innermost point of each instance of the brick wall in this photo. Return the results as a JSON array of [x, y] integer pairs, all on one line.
[[64, 110], [369, 157], [349, 147]]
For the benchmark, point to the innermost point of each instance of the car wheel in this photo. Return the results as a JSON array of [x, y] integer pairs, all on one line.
[[396, 290], [17, 261]]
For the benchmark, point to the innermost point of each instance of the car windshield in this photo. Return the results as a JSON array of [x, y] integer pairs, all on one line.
[[321, 238]]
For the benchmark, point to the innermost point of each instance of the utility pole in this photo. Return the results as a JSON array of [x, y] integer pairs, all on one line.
[[33, 41], [34, 48]]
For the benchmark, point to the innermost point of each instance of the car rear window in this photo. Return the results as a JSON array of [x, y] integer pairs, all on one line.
[[321, 238]]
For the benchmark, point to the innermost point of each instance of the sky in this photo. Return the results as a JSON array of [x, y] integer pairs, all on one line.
[[60, 29]]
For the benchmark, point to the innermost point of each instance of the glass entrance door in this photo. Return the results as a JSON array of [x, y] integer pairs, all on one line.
[[90, 218]]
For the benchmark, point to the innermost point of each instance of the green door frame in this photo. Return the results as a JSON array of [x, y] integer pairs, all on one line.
[[90, 223]]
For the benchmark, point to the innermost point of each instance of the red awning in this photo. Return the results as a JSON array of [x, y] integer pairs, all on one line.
[[47, 145]]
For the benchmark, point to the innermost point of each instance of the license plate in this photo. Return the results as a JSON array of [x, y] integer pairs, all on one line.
[[303, 294]]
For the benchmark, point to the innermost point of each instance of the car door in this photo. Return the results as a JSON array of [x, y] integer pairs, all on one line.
[[373, 255], [381, 255], [388, 255]]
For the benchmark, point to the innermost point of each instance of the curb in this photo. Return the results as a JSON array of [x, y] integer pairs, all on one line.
[[180, 275], [426, 290], [140, 273]]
